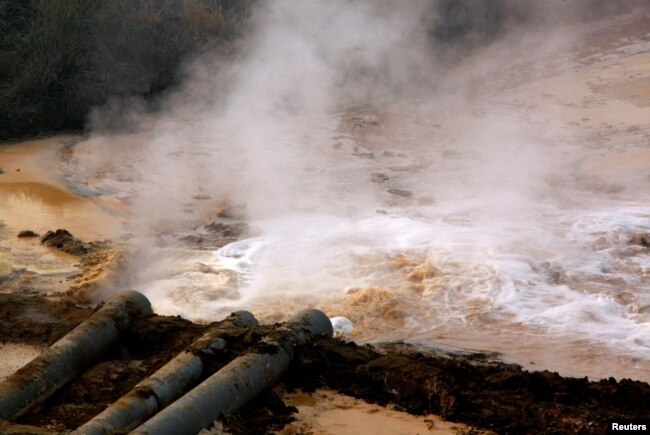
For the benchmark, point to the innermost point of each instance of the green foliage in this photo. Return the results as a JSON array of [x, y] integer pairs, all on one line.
[[59, 58]]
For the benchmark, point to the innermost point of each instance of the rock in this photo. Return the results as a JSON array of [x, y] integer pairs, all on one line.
[[1, 171], [62, 240], [593, 183], [215, 235], [233, 230], [233, 212], [641, 239], [192, 239], [400, 192], [27, 234]]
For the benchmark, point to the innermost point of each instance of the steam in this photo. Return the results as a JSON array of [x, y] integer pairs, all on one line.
[[380, 182]]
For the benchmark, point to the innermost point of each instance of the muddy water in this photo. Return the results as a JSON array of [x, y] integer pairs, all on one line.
[[504, 224], [325, 412], [34, 196]]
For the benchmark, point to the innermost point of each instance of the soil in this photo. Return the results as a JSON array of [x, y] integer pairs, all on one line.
[[468, 388], [215, 235], [62, 240], [325, 412], [37, 320], [461, 387], [15, 356]]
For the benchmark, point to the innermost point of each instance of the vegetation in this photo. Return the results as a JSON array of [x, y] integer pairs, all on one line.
[[58, 58]]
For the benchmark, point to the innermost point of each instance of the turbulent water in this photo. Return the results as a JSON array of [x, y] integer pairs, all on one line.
[[512, 261], [507, 216], [507, 212]]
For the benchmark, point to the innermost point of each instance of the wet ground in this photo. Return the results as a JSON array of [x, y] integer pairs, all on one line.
[[460, 387]]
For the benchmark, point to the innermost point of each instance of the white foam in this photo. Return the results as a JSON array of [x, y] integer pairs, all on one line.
[[341, 326], [540, 274]]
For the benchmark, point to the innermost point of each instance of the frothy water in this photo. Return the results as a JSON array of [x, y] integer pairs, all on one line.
[[590, 285], [561, 262], [498, 210]]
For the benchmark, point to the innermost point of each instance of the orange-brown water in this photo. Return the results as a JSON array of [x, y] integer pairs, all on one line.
[[543, 273], [325, 412], [503, 223], [33, 195]]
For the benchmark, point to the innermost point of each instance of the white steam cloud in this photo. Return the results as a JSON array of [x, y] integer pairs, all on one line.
[[380, 184]]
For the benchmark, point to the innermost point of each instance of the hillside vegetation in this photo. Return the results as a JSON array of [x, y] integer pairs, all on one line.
[[59, 58]]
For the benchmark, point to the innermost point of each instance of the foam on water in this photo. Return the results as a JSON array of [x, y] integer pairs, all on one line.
[[509, 248], [483, 208], [569, 276]]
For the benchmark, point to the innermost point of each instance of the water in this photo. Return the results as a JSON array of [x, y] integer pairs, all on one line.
[[497, 213], [546, 266]]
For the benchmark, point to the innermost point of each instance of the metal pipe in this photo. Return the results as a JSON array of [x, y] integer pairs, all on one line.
[[238, 382], [71, 355], [166, 384]]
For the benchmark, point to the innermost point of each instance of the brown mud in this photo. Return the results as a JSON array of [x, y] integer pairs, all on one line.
[[465, 387], [461, 387], [62, 240]]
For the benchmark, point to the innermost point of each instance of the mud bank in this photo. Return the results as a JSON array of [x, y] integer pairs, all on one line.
[[470, 388], [37, 197], [461, 387], [34, 193]]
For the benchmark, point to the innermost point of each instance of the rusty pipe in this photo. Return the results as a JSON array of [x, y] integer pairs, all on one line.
[[71, 355], [239, 381], [166, 384]]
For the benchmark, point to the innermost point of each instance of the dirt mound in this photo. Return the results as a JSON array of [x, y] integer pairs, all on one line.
[[62, 240], [215, 235], [461, 387], [27, 234], [468, 388], [36, 319]]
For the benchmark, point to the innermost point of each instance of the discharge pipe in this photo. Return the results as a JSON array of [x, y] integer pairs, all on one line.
[[165, 385], [70, 356], [238, 382]]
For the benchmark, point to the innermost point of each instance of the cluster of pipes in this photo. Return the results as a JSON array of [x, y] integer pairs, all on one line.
[[159, 405]]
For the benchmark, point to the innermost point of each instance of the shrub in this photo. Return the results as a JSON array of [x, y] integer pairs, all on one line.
[[59, 58]]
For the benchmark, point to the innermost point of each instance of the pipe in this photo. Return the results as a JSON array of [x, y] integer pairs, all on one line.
[[238, 382], [166, 384], [71, 355]]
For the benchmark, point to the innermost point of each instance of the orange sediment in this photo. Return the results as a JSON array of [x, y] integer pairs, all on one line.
[[32, 195]]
